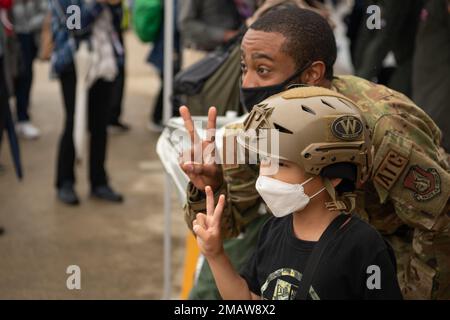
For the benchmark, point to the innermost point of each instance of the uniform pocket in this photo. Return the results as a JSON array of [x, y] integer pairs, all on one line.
[[419, 280], [418, 187]]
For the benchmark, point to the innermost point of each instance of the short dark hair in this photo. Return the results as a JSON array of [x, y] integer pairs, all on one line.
[[309, 37]]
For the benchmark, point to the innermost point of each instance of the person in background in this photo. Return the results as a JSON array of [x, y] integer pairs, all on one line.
[[156, 58], [245, 8], [96, 17], [431, 80], [119, 83], [28, 17], [399, 21], [4, 94], [206, 24]]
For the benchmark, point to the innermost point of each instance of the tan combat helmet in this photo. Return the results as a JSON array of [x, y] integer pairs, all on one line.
[[316, 128]]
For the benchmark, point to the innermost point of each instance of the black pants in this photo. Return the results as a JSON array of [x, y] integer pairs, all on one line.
[[157, 115], [118, 88], [24, 81], [99, 104]]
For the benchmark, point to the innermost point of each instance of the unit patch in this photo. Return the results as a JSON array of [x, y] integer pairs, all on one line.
[[426, 184], [390, 169]]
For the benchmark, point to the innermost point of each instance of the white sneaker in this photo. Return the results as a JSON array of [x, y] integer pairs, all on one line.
[[27, 130]]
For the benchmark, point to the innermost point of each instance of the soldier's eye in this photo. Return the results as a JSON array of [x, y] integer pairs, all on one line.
[[243, 67], [263, 70]]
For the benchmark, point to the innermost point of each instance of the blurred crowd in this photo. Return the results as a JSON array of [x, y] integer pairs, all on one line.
[[409, 54]]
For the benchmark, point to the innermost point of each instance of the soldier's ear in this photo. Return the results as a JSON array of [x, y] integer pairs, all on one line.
[[315, 74]]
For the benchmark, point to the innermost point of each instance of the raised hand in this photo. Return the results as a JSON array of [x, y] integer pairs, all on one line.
[[206, 173], [207, 226]]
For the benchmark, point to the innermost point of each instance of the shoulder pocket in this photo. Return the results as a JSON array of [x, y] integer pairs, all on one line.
[[391, 159], [416, 184]]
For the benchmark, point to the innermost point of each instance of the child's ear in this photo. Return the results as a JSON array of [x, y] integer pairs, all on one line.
[[336, 181]]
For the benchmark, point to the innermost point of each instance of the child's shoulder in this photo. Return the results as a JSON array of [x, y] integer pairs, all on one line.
[[275, 225], [363, 234]]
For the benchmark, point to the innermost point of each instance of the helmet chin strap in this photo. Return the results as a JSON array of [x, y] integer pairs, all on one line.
[[335, 205]]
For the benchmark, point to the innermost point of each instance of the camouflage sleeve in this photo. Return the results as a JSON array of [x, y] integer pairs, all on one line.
[[242, 199], [411, 173]]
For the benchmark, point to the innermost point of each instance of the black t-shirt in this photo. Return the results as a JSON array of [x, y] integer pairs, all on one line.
[[358, 264]]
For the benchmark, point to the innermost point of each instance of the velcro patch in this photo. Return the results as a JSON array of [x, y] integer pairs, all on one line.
[[388, 163], [390, 169], [426, 184]]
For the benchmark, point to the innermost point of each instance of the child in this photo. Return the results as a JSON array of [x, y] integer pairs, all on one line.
[[324, 151]]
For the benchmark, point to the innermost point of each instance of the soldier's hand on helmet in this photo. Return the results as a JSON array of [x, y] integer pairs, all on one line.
[[205, 171], [207, 226]]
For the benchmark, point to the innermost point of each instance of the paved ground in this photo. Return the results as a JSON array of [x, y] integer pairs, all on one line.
[[118, 247]]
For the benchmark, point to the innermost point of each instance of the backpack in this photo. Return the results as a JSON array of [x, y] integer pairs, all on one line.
[[212, 81], [147, 18]]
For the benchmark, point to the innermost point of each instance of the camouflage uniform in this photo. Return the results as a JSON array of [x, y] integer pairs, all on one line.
[[406, 199]]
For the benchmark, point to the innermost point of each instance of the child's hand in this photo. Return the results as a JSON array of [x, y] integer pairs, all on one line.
[[207, 226]]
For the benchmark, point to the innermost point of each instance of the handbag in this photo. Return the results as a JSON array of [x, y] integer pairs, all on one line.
[[214, 80], [191, 80]]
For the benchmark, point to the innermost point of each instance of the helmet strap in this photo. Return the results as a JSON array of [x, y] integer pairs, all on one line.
[[335, 205]]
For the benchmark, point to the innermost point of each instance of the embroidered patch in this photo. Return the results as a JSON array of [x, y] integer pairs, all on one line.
[[426, 184], [390, 169], [347, 127]]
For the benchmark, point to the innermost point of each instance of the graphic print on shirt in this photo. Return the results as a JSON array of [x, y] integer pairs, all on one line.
[[284, 282]]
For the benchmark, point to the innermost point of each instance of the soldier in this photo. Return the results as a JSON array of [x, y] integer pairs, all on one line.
[[408, 194]]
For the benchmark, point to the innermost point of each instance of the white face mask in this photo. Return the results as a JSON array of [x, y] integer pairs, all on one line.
[[283, 198]]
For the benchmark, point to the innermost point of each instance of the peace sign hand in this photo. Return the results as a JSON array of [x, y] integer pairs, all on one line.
[[206, 173], [207, 226]]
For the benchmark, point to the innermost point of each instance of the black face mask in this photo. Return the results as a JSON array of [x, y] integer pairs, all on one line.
[[252, 96]]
